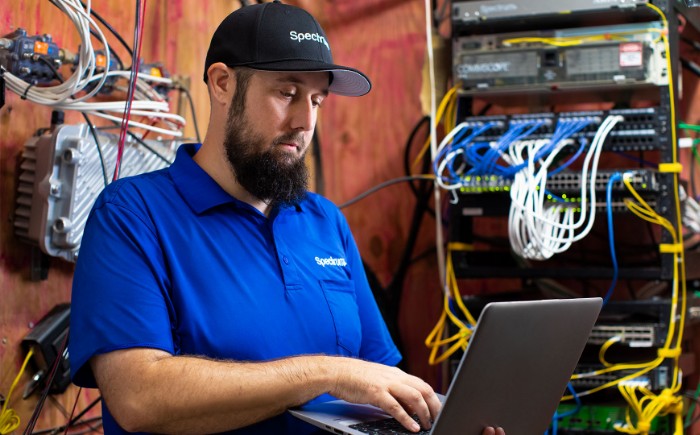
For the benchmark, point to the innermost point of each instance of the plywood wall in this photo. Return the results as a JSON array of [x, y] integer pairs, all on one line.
[[361, 139], [361, 145]]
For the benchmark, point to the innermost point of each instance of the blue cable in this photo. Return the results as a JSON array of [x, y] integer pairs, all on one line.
[[487, 164], [481, 161], [455, 145], [611, 237], [557, 416], [564, 130], [642, 161], [483, 158], [555, 197], [569, 129], [517, 135], [451, 307], [582, 145]]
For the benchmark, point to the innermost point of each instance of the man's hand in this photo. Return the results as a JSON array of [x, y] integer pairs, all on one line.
[[389, 388], [492, 431]]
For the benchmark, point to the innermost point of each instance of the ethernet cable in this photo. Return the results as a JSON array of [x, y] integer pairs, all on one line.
[[538, 229], [650, 404], [448, 108], [570, 41], [611, 234], [63, 95], [459, 340], [557, 416], [9, 420]]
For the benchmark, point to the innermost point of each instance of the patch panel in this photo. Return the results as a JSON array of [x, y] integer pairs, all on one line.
[[642, 129], [656, 379], [642, 335]]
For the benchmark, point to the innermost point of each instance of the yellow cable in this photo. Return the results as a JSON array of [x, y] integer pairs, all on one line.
[[568, 41], [644, 211], [604, 348], [460, 339], [450, 95], [9, 420], [666, 401], [648, 407]]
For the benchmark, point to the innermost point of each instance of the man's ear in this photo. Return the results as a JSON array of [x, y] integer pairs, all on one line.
[[222, 83]]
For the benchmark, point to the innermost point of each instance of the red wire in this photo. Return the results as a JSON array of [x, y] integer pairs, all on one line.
[[132, 85], [75, 404]]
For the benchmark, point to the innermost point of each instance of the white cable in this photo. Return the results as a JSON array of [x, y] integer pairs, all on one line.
[[446, 142], [538, 230], [439, 237], [691, 211], [133, 123], [147, 101]]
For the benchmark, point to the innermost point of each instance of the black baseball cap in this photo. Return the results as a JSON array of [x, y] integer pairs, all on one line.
[[278, 37]]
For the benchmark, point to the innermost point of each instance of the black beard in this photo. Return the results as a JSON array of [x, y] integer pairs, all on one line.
[[271, 175]]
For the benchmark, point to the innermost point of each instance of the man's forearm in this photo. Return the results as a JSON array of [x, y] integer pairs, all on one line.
[[195, 395]]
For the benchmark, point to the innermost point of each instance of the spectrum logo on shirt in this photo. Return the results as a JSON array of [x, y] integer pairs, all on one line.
[[330, 261]]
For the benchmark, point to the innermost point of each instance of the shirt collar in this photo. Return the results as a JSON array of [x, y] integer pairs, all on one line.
[[199, 190]]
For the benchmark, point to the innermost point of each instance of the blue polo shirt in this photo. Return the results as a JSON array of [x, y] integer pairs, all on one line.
[[171, 261]]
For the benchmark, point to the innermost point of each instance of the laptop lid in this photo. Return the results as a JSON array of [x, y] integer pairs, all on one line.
[[513, 373]]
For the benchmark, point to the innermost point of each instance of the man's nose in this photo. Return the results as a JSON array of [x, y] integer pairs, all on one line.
[[304, 115]]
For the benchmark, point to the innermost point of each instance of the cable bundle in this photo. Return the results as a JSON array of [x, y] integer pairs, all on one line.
[[437, 337], [458, 151], [537, 228], [85, 76]]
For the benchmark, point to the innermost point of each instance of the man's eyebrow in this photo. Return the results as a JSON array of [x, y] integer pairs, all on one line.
[[297, 81]]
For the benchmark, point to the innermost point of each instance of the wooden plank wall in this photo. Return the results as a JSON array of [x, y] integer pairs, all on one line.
[[361, 145]]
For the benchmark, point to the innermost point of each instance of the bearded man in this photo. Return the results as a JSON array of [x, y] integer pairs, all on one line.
[[215, 294]]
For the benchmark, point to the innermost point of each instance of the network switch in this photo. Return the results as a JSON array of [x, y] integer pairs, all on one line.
[[472, 13], [619, 55], [655, 380]]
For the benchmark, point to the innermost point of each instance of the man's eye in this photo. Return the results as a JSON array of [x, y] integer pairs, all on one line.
[[288, 94]]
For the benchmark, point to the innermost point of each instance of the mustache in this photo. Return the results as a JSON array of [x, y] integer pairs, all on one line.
[[295, 138]]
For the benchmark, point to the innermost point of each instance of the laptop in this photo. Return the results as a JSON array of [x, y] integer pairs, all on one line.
[[513, 374]]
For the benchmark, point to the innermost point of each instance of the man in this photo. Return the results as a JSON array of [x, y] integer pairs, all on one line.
[[213, 295]]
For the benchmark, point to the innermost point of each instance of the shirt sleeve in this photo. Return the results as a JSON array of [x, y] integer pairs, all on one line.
[[120, 298]]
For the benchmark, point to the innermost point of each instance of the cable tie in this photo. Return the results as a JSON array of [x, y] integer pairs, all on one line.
[[643, 426], [459, 246], [669, 353], [671, 248], [24, 95], [675, 168]]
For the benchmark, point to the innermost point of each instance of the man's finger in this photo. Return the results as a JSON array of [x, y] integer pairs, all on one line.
[[414, 403], [391, 406]]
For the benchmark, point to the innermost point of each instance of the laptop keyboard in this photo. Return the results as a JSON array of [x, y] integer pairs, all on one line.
[[389, 426]]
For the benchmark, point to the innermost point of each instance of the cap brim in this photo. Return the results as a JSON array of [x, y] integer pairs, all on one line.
[[346, 81]]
